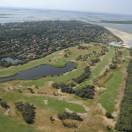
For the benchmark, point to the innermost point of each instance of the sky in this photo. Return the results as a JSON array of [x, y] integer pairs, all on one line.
[[105, 6]]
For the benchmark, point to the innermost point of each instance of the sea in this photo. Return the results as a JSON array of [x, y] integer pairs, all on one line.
[[11, 15]]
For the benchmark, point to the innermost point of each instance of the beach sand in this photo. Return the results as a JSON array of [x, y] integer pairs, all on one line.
[[126, 37]]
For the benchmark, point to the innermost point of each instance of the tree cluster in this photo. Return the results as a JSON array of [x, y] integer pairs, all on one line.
[[85, 75], [64, 88], [4, 104], [67, 115], [27, 111], [86, 93]]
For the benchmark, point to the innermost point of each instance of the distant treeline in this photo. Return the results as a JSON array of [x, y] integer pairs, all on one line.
[[118, 22], [124, 123], [31, 40]]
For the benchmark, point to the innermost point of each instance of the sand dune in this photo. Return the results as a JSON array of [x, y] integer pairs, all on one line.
[[126, 37]]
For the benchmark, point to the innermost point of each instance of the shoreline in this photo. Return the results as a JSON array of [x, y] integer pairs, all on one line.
[[126, 37]]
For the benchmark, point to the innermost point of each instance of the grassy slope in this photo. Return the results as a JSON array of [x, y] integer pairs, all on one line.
[[14, 69], [56, 59], [7, 125], [108, 97], [99, 68], [53, 103]]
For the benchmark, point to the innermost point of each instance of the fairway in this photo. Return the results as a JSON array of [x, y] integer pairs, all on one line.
[[113, 85], [37, 92], [7, 124]]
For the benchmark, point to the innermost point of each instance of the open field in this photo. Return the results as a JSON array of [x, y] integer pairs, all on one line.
[[113, 85], [100, 67], [53, 103], [106, 81], [7, 124]]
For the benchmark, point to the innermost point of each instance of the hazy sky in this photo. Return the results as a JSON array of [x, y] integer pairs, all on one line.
[[110, 6]]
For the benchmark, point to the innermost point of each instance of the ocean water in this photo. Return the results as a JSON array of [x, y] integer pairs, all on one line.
[[21, 15]]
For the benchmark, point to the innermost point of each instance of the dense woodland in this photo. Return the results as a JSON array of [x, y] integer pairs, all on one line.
[[22, 42], [124, 123]]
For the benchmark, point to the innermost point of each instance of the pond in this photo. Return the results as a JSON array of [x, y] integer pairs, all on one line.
[[40, 71]]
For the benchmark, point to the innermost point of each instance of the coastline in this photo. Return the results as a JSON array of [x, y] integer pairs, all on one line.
[[126, 37]]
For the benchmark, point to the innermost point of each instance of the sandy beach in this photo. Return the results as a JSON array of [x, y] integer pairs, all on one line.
[[126, 37]]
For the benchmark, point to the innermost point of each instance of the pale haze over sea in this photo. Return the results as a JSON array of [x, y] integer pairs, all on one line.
[[8, 15]]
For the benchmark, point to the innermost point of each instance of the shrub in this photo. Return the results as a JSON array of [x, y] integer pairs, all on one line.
[[87, 92], [27, 111], [66, 115], [84, 76], [64, 88], [4, 104], [113, 66], [109, 115]]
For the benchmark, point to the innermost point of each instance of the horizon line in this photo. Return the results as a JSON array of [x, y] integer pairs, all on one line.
[[29, 8]]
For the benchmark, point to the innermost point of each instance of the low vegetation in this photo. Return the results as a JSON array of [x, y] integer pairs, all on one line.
[[86, 92], [27, 111], [7, 124], [86, 74], [4, 104], [124, 123], [67, 115]]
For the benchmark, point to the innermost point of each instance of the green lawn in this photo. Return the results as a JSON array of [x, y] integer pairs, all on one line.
[[14, 69], [53, 103], [101, 65], [99, 68], [56, 59], [9, 125], [113, 85], [107, 98]]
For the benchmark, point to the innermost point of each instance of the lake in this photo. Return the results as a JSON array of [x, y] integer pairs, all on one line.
[[40, 71]]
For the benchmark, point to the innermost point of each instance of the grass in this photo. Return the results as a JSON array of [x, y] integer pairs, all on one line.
[[107, 98], [9, 125], [99, 68], [14, 69], [55, 59], [56, 105], [53, 103], [113, 85]]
